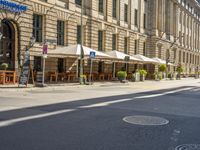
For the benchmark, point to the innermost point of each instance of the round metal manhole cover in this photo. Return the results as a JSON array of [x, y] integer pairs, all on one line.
[[146, 120], [188, 147]]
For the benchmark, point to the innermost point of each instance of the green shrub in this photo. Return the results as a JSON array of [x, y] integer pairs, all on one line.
[[158, 76], [143, 72], [121, 74], [162, 68], [179, 69], [4, 66]]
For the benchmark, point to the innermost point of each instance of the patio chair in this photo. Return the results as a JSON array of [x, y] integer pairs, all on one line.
[[53, 75]]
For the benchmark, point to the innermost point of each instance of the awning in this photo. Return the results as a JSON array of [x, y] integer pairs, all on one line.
[[75, 51], [121, 56], [145, 59], [161, 61]]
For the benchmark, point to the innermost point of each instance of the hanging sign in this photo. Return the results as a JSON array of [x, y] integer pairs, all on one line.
[[45, 49], [92, 54], [12, 7]]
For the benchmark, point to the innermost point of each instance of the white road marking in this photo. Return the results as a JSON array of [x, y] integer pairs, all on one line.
[[106, 103], [16, 120], [13, 121]]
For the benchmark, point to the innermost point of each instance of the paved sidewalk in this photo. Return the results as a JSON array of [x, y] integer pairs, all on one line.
[[153, 84]]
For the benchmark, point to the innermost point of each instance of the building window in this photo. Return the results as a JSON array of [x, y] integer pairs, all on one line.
[[78, 2], [114, 11], [144, 49], [37, 27], [101, 5], [136, 43], [126, 45], [125, 12], [136, 17], [100, 40], [114, 42], [60, 32], [79, 34], [145, 21]]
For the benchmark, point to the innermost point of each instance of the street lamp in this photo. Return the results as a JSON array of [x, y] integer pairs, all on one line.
[[1, 35], [168, 54], [82, 53], [32, 41]]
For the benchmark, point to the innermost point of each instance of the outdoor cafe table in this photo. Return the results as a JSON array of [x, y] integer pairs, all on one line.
[[7, 77]]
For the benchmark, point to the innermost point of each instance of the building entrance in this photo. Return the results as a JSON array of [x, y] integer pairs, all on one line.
[[8, 44]]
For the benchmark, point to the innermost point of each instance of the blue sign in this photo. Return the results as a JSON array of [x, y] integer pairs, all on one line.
[[12, 7], [92, 54]]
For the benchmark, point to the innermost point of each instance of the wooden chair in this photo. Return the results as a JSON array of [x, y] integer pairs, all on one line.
[[10, 77], [101, 76], [61, 76], [53, 75], [2, 78]]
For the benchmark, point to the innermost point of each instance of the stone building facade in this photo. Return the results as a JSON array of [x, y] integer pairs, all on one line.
[[168, 29]]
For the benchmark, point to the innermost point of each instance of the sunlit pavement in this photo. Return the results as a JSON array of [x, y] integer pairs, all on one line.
[[94, 117]]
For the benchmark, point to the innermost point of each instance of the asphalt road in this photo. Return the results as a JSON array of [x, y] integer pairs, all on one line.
[[97, 123]]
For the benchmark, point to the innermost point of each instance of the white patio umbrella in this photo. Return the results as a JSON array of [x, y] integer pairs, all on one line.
[[75, 51], [145, 59], [161, 61], [121, 56]]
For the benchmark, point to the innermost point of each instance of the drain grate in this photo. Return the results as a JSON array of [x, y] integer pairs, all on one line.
[[188, 147], [146, 120]]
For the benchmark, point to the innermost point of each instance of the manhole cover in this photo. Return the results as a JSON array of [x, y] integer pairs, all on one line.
[[145, 120], [188, 147]]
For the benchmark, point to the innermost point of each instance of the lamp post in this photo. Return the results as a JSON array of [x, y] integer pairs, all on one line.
[[82, 53], [32, 41], [168, 54], [1, 35]]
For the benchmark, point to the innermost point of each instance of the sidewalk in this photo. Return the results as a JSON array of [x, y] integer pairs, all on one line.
[[148, 83]]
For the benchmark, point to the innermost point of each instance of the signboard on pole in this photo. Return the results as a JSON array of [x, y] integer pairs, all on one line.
[[92, 54], [24, 76], [45, 49]]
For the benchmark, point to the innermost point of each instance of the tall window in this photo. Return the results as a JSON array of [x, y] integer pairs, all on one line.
[[114, 42], [78, 2], [79, 34], [114, 11], [101, 4], [60, 32], [126, 45], [136, 43], [125, 12], [37, 27], [144, 49], [100, 40], [145, 21], [136, 17]]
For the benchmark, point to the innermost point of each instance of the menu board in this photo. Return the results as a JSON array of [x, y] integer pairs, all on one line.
[[24, 76]]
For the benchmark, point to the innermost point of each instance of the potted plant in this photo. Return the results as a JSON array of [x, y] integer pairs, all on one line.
[[162, 68], [157, 76], [83, 79], [143, 74], [4, 66], [121, 75], [179, 70]]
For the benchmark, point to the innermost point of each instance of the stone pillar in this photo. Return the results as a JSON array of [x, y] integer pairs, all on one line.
[[155, 15]]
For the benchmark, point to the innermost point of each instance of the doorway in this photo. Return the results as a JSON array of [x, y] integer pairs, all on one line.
[[8, 44]]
